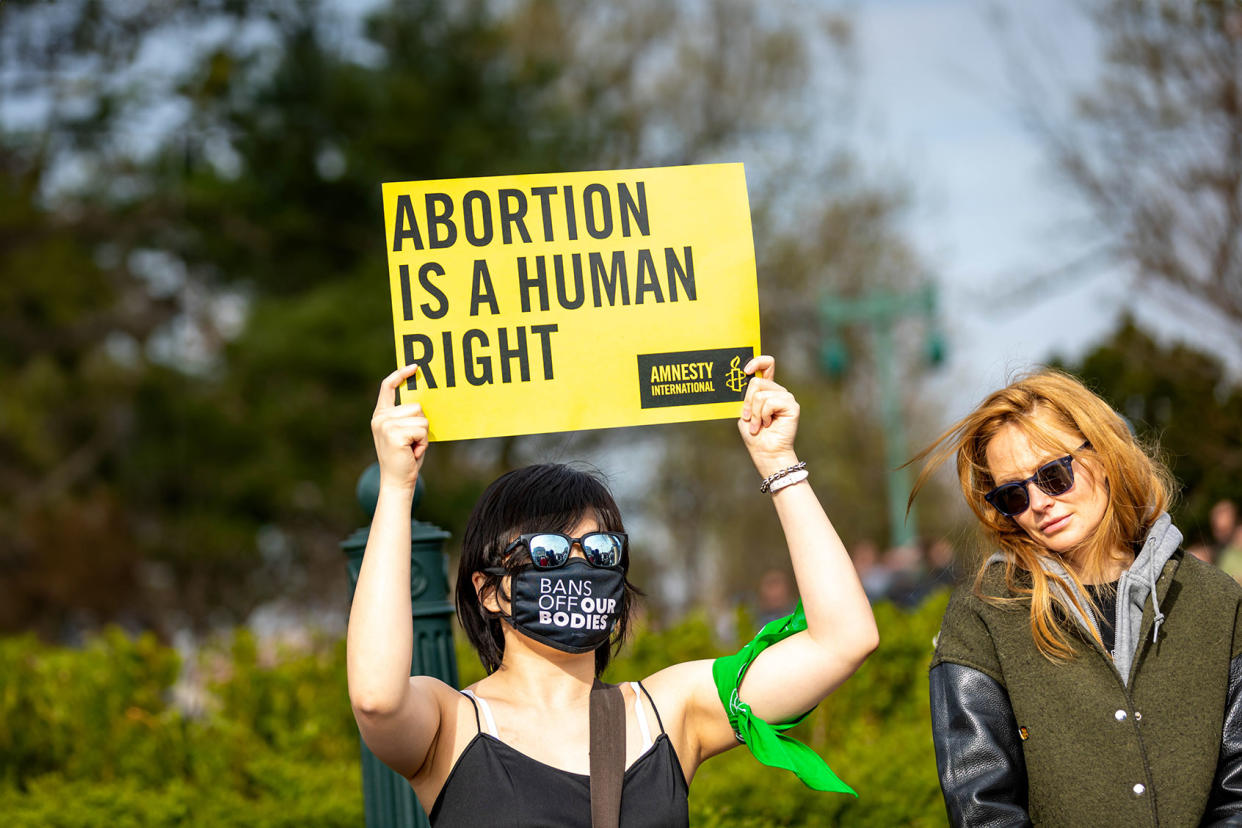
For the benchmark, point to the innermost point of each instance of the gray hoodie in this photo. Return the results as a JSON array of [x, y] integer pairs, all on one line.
[[1137, 582]]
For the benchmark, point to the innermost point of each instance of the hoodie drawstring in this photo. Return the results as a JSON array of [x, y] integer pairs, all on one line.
[[1155, 605]]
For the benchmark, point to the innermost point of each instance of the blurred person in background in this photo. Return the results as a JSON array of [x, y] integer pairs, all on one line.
[[1091, 674], [1223, 523], [874, 576], [905, 568], [1230, 557], [1225, 551], [940, 570], [513, 748], [775, 598]]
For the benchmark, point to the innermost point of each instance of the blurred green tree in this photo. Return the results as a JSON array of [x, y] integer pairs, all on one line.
[[191, 324], [1154, 146], [73, 315], [193, 303], [1182, 400]]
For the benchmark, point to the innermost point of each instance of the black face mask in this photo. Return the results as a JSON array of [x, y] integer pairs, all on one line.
[[572, 608]]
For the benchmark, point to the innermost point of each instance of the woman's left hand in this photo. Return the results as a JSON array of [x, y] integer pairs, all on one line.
[[769, 419], [797, 673]]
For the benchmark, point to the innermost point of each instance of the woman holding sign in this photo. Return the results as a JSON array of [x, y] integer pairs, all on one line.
[[543, 595], [1092, 674]]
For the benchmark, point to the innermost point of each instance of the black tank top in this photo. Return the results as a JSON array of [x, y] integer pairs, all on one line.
[[493, 784]]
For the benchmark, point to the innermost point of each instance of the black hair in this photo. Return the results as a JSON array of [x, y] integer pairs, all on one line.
[[549, 497]]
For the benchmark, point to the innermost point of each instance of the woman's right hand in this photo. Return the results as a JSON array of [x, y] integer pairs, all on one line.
[[400, 433], [769, 418]]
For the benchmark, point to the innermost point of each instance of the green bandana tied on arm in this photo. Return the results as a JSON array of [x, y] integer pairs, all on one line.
[[768, 742]]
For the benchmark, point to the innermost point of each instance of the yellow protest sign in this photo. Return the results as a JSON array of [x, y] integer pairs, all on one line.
[[536, 303]]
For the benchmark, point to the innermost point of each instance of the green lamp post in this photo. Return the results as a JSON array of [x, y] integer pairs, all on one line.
[[880, 311], [389, 801]]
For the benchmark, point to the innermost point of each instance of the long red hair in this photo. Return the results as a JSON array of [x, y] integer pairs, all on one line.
[[1139, 488]]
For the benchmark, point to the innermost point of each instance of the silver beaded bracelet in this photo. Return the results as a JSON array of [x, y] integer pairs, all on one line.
[[766, 485]]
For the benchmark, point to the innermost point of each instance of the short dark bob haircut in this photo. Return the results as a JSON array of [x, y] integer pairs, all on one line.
[[549, 497]]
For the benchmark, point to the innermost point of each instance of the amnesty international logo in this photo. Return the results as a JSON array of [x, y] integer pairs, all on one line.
[[692, 377], [736, 379]]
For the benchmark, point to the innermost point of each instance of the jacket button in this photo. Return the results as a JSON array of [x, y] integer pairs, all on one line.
[[1139, 788], [1120, 715], [1138, 717]]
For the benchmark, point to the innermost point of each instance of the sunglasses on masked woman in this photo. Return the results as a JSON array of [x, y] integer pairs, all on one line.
[[550, 550]]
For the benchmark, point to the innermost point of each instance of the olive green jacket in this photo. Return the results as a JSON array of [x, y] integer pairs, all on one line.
[[1100, 750]]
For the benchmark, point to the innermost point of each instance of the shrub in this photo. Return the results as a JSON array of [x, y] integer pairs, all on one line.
[[874, 731], [88, 737]]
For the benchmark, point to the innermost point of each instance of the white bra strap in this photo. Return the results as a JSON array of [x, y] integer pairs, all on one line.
[[487, 713], [640, 714]]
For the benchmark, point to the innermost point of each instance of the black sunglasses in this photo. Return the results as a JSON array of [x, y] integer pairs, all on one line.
[[1055, 478], [549, 550]]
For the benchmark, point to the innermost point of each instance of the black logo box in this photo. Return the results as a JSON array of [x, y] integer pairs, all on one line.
[[692, 377]]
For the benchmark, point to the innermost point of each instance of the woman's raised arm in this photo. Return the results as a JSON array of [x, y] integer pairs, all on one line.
[[795, 674], [398, 716]]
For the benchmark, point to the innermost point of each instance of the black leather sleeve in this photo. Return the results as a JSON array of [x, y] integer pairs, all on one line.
[[1225, 806], [978, 752]]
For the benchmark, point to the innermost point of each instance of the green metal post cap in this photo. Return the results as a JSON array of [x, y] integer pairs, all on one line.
[[388, 799], [935, 349], [835, 357]]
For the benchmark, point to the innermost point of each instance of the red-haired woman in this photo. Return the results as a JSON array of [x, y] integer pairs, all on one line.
[[1092, 673]]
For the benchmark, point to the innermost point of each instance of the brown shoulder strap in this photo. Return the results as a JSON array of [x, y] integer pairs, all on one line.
[[607, 724]]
